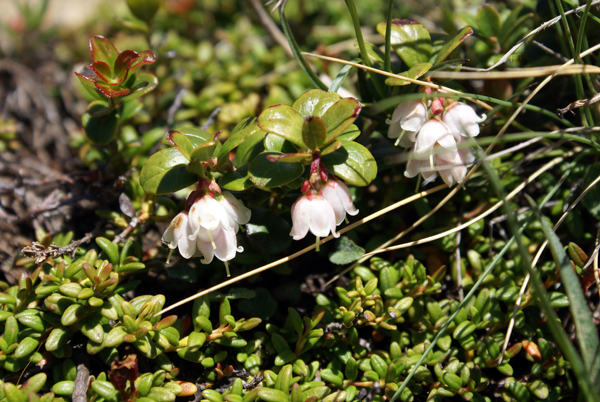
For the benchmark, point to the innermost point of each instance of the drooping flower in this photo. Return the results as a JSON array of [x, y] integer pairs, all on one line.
[[462, 119], [450, 165], [337, 194], [434, 133], [407, 120], [209, 228], [177, 235], [312, 212]]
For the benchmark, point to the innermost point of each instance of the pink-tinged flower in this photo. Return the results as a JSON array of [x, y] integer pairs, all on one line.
[[177, 235], [210, 227], [434, 133], [337, 194], [407, 120], [312, 212], [450, 165], [462, 119]]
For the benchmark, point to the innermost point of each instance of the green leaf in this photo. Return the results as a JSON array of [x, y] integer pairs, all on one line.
[[103, 50], [238, 180], [283, 121], [129, 109], [410, 40], [351, 133], [264, 173], [142, 84], [204, 152], [251, 147], [143, 9], [489, 21], [267, 232], [587, 334], [314, 132], [339, 117], [101, 129], [275, 143], [414, 72], [315, 102], [346, 251], [452, 43], [375, 55], [165, 172], [238, 135], [353, 163], [100, 108], [339, 79]]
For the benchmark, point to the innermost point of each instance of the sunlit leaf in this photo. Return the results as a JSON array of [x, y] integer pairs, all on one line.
[[165, 172]]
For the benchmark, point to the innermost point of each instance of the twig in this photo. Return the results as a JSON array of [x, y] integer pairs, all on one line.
[[175, 106], [577, 104], [82, 380], [211, 119], [41, 254], [271, 27]]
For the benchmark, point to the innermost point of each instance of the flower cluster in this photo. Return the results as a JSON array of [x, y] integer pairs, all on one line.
[[209, 225], [436, 138], [322, 206]]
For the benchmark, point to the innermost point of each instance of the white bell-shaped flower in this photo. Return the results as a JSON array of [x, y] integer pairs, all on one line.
[[312, 212], [462, 119], [210, 227], [434, 133], [177, 235], [406, 121], [450, 165], [337, 194]]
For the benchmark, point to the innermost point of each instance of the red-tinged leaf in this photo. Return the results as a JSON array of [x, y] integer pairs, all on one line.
[[103, 71], [294, 157], [87, 77], [111, 92], [123, 63], [103, 50], [144, 83], [146, 57]]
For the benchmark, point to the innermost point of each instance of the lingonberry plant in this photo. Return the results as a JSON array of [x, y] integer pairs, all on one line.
[[208, 142]]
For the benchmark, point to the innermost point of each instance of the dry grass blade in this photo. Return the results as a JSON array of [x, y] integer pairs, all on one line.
[[518, 189], [534, 263], [526, 72], [305, 250]]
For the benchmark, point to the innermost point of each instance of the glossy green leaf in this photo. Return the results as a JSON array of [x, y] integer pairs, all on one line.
[[314, 132], [353, 163], [346, 251], [414, 72], [58, 338], [100, 108], [339, 117], [105, 389], [204, 152], [103, 50], [238, 180], [144, 83], [489, 21], [92, 328], [410, 40], [315, 102], [283, 121], [351, 133], [101, 129], [264, 173], [165, 172], [452, 43], [251, 147], [181, 143], [238, 135]]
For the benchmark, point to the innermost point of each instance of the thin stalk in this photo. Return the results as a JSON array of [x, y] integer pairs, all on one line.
[[487, 271], [559, 334], [387, 62], [363, 49], [578, 82], [298, 54]]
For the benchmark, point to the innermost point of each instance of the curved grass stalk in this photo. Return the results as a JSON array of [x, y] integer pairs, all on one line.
[[465, 225], [559, 334], [539, 254], [305, 250], [524, 72], [464, 302]]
